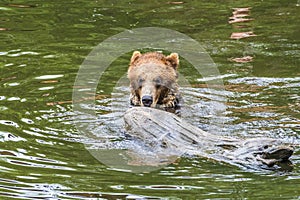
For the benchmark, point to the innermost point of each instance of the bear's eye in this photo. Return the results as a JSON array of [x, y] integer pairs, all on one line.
[[157, 81], [140, 82]]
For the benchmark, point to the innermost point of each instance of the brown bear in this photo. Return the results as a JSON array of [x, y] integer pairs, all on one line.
[[153, 80]]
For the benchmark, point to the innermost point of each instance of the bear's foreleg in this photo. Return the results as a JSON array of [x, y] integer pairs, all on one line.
[[170, 101], [134, 100]]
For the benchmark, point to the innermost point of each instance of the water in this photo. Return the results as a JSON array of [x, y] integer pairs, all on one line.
[[43, 155]]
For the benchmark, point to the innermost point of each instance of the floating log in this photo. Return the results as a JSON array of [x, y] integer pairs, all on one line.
[[160, 130]]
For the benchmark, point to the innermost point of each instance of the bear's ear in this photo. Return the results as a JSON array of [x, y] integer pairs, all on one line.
[[173, 59], [135, 56]]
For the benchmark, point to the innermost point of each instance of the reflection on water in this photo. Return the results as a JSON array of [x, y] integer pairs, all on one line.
[[43, 155], [240, 15]]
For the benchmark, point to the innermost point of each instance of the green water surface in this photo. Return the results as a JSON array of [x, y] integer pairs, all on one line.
[[42, 45]]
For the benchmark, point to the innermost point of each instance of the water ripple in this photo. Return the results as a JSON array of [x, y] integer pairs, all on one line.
[[264, 81], [6, 136], [9, 123]]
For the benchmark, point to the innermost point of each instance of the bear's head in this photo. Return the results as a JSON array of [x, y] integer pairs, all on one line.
[[153, 77]]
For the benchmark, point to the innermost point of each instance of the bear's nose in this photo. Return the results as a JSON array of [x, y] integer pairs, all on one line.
[[147, 100]]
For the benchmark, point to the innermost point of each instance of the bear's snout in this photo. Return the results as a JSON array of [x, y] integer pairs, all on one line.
[[147, 100]]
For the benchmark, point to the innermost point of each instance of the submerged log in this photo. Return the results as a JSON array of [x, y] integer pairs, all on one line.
[[160, 130]]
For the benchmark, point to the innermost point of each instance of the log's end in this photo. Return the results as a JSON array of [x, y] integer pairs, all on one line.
[[277, 154], [281, 153]]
